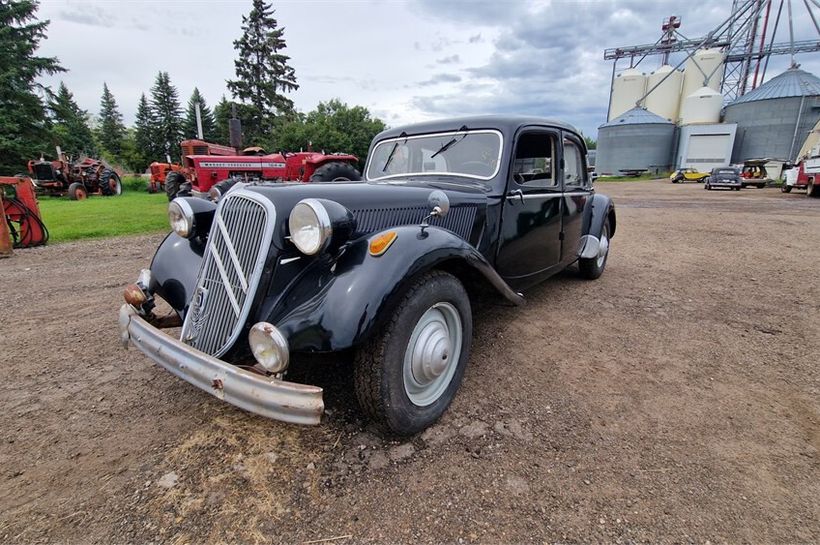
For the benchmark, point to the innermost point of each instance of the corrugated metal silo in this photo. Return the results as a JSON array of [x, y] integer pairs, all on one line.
[[774, 120], [665, 100], [702, 106], [628, 87], [711, 65], [637, 139]]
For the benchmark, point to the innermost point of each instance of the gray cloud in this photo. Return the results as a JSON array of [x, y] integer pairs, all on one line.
[[88, 15], [440, 78], [451, 59]]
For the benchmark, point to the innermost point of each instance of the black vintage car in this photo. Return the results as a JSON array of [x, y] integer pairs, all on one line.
[[386, 267]]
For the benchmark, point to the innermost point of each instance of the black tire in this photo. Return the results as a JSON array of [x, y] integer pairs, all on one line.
[[336, 171], [707, 187], [590, 268], [736, 188], [785, 188], [761, 186], [77, 192], [110, 184], [173, 181], [379, 370], [812, 190]]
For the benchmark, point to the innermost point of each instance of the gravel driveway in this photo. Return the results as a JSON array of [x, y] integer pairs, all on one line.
[[676, 399]]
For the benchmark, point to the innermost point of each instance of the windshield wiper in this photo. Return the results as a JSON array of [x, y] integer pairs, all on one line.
[[453, 141], [392, 151]]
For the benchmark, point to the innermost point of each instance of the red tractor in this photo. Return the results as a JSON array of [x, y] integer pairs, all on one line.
[[78, 180], [202, 172], [160, 171]]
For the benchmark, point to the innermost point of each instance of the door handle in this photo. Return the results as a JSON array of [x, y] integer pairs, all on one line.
[[516, 193]]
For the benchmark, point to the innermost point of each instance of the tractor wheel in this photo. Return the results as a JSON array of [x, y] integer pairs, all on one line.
[[336, 171], [110, 183], [77, 192], [173, 182]]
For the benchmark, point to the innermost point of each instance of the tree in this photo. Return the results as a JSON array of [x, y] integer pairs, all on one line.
[[222, 113], [262, 71], [111, 130], [23, 119], [145, 148], [189, 126], [591, 142], [334, 127], [70, 128], [166, 116]]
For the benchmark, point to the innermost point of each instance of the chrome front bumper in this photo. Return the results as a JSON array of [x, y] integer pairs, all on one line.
[[265, 396]]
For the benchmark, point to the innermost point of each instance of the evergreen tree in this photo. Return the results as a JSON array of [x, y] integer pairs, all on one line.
[[262, 71], [145, 148], [23, 120], [189, 127], [70, 128], [167, 116], [111, 130], [222, 113]]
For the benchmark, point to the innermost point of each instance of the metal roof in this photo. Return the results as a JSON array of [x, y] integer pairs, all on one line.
[[636, 116], [791, 83]]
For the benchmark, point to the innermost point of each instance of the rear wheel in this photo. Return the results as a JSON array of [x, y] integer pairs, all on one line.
[[761, 186], [785, 188], [812, 190], [77, 192], [593, 267], [336, 171], [110, 183], [407, 376]]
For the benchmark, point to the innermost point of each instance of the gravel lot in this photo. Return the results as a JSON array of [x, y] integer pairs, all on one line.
[[677, 399]]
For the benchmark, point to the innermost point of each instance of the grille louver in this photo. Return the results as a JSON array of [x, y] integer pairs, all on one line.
[[231, 267]]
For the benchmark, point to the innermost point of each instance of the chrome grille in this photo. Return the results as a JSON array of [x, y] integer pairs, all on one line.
[[231, 266], [459, 219]]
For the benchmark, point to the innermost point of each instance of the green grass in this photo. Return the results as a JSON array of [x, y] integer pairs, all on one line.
[[134, 212]]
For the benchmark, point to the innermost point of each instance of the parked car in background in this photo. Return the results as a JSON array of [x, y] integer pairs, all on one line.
[[385, 269], [728, 177], [804, 175], [754, 173], [688, 175]]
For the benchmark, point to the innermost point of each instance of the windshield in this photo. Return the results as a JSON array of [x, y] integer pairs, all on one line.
[[475, 154]]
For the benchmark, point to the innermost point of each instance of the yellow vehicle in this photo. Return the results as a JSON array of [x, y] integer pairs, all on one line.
[[688, 175]]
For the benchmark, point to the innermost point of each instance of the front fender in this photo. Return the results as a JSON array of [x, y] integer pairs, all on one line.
[[174, 269], [337, 305], [600, 210]]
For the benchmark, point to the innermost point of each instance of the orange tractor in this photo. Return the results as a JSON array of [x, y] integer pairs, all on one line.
[[78, 180]]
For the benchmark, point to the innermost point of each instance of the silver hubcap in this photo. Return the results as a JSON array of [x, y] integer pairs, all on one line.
[[603, 249], [432, 354]]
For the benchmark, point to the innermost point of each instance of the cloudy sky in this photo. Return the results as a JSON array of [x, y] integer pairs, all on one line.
[[405, 61]]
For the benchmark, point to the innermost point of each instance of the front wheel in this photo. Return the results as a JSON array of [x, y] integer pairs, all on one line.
[[407, 376], [785, 188], [593, 267], [77, 192]]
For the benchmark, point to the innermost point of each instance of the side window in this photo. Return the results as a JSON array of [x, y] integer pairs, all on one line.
[[573, 164], [534, 163]]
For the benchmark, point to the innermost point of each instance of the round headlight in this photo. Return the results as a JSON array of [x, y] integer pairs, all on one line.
[[269, 347], [310, 227], [181, 218]]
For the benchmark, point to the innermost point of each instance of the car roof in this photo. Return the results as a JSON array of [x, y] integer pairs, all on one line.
[[507, 124]]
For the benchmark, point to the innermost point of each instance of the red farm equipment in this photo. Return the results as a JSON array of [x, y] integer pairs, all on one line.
[[159, 171], [21, 213], [78, 180]]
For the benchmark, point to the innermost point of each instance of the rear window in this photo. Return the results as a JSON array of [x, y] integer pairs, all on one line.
[[726, 171]]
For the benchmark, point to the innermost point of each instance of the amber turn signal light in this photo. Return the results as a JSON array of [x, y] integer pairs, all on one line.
[[382, 242]]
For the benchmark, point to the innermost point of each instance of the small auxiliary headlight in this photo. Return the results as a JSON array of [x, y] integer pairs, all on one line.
[[269, 347], [181, 218]]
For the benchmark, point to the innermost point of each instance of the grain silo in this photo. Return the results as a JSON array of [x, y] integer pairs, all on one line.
[[703, 69], [627, 88], [774, 120], [665, 99], [636, 140], [702, 106]]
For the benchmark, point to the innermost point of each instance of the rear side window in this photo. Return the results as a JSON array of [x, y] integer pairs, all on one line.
[[573, 164]]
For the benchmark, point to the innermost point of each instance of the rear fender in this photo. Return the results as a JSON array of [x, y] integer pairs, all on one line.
[[600, 210], [337, 305]]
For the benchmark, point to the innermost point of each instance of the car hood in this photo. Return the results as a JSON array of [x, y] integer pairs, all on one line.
[[379, 205]]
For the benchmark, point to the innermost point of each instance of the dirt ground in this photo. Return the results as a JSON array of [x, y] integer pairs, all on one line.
[[676, 399]]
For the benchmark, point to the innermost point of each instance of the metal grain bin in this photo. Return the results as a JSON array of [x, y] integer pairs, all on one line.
[[635, 140], [774, 120]]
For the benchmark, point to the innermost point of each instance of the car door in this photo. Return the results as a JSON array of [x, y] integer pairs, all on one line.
[[529, 240], [577, 190]]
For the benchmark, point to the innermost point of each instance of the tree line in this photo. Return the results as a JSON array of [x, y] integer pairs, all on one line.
[[34, 119]]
